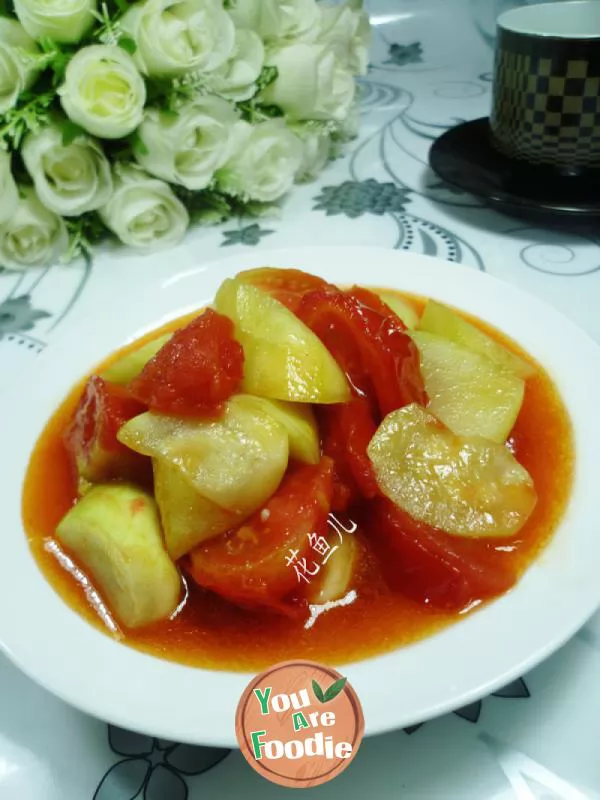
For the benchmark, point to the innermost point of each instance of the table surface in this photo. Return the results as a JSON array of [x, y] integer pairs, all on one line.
[[538, 738]]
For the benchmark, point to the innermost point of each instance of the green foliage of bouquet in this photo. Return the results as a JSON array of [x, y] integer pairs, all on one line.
[[131, 119]]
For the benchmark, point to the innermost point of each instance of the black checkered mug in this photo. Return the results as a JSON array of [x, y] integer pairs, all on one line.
[[546, 105]]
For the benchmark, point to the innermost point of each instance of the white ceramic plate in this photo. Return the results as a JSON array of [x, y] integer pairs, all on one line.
[[55, 647]]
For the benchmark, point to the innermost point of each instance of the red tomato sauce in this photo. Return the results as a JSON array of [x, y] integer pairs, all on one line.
[[209, 632]]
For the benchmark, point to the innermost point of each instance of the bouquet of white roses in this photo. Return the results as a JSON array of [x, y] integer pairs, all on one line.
[[130, 119]]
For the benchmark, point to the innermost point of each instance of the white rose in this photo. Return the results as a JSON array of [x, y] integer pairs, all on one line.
[[175, 37], [69, 179], [236, 79], [311, 84], [188, 148], [278, 19], [266, 159], [299, 19], [18, 68], [103, 92], [9, 196], [143, 211], [317, 150], [347, 31], [262, 16], [61, 20], [33, 236]]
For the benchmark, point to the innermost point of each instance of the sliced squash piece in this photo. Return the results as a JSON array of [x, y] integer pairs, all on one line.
[[299, 421], [443, 321], [188, 518], [403, 308], [129, 366], [283, 359], [334, 579], [236, 461], [464, 485], [114, 533], [468, 392]]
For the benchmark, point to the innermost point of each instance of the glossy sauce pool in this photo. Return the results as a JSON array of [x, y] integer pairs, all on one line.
[[209, 632]]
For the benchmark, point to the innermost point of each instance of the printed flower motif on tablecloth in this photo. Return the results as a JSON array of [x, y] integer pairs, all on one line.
[[18, 315], [250, 235], [471, 713], [153, 769], [402, 54], [355, 198]]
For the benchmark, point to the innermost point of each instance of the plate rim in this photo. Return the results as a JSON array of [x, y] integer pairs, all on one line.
[[189, 726]]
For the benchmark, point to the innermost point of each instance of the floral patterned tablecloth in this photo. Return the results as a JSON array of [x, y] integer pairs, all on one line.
[[538, 738]]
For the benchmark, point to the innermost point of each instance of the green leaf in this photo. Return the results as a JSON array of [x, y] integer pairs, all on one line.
[[254, 112], [256, 210], [270, 112], [138, 144], [108, 31], [28, 116], [48, 45], [267, 76], [127, 44], [207, 207], [334, 689], [59, 66], [84, 232], [157, 89], [318, 692], [55, 57], [70, 131]]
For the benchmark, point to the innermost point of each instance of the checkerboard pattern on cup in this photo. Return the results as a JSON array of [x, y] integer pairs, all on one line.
[[546, 106]]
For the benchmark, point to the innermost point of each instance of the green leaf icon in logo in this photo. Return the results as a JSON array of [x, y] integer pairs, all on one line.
[[331, 693], [318, 692], [335, 689]]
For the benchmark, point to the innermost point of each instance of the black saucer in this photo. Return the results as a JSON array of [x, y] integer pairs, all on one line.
[[465, 158]]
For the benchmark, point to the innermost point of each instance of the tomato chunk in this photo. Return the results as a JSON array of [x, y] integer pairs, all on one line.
[[346, 431], [286, 285], [197, 370], [91, 438], [379, 358], [254, 565], [373, 301], [432, 567]]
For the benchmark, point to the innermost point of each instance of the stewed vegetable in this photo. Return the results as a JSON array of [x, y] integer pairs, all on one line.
[[284, 360], [302, 446], [464, 485], [236, 460], [467, 391], [444, 322], [115, 534]]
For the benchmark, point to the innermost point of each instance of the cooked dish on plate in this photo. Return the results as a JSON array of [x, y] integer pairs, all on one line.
[[298, 470]]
